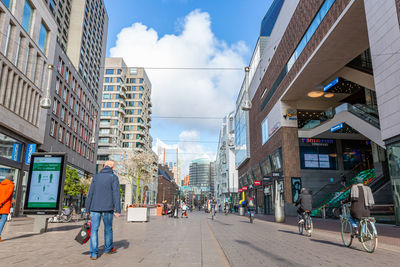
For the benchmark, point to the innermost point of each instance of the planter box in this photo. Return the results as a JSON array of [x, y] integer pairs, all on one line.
[[138, 215]]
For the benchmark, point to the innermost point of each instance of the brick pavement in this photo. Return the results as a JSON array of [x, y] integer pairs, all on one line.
[[197, 241], [388, 234]]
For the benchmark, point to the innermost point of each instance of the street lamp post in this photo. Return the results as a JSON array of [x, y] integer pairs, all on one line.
[[45, 102]]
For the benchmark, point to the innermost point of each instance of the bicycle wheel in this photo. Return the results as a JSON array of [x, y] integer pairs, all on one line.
[[369, 238], [301, 228], [347, 236], [310, 227]]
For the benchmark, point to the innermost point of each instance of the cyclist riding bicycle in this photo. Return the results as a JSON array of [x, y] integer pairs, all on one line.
[[361, 200], [250, 204], [305, 202]]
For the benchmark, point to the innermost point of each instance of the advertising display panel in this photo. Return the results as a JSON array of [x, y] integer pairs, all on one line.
[[45, 183]]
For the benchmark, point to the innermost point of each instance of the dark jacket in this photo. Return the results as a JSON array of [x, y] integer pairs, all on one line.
[[104, 193], [358, 208], [305, 201]]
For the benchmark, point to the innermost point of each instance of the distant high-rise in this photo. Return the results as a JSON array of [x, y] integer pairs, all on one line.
[[125, 112], [202, 175]]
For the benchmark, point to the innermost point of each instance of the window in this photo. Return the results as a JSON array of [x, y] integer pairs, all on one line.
[[264, 131], [317, 153], [109, 71], [119, 71], [141, 80], [43, 38], [106, 96], [7, 3], [60, 134], [133, 71], [27, 17], [52, 5], [9, 31], [58, 87], [55, 106], [52, 127], [18, 50]]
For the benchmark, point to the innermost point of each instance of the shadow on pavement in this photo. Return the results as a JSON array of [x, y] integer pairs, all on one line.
[[64, 228], [246, 221], [121, 244], [22, 236], [289, 232], [283, 261], [222, 223]]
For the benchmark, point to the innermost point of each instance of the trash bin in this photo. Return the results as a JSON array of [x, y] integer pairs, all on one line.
[[241, 211]]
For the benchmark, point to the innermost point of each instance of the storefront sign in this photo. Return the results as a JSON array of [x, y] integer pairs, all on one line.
[[244, 188], [316, 140], [332, 83], [45, 183], [16, 152], [336, 127], [276, 174], [30, 149], [291, 114], [256, 183], [240, 190]]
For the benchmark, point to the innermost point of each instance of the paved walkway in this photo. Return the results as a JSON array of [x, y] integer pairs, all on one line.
[[197, 241]]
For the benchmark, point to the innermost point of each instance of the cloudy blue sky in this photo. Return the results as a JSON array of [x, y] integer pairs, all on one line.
[[189, 34]]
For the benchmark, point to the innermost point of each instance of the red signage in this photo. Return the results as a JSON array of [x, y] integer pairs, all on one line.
[[240, 190], [257, 182], [244, 188]]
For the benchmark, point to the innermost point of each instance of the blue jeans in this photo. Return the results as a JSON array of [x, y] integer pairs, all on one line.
[[108, 232], [3, 219], [353, 222]]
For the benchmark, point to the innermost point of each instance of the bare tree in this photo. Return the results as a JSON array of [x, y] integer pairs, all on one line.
[[136, 169]]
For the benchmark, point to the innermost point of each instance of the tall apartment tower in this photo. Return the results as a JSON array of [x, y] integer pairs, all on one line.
[[125, 112], [27, 41], [76, 84]]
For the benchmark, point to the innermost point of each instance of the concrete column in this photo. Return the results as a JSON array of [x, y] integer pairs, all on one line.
[[290, 158]]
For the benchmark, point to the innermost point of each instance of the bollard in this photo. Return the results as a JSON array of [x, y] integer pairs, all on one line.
[[279, 205], [323, 213]]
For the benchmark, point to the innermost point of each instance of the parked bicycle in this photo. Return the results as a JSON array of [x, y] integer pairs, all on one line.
[[366, 234], [306, 224]]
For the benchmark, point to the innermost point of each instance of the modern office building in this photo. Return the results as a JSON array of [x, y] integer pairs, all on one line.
[[323, 98], [27, 41], [125, 116], [226, 175], [201, 177], [82, 26]]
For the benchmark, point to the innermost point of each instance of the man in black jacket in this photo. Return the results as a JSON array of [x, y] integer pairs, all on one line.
[[103, 200], [305, 202]]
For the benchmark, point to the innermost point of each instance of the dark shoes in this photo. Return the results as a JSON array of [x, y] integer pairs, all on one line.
[[112, 251], [93, 258]]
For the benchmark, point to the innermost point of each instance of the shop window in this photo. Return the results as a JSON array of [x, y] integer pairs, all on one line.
[[318, 154], [10, 148]]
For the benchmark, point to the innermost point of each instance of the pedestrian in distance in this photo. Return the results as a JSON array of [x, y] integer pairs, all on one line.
[[6, 194], [103, 202]]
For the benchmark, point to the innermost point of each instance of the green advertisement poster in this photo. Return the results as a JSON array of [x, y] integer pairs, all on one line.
[[46, 173]]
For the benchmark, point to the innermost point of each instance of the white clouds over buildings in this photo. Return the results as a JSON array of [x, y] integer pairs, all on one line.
[[199, 93]]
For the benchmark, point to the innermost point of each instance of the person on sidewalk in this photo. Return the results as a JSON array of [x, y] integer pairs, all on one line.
[[6, 194], [361, 199], [305, 202], [103, 200]]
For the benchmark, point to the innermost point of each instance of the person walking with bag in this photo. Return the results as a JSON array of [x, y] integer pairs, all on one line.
[[6, 194], [103, 202]]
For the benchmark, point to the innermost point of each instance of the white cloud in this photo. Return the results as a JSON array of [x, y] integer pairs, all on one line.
[[186, 92], [189, 149]]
